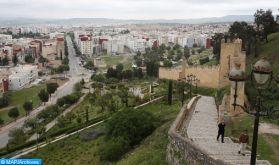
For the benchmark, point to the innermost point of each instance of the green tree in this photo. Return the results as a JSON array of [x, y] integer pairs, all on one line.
[[28, 106], [31, 123], [29, 59], [186, 52], [82, 82], [78, 87], [193, 52], [216, 43], [15, 60], [13, 113], [5, 61], [4, 101], [17, 137], [70, 116], [65, 61], [245, 32], [43, 95], [265, 22], [124, 95], [51, 88], [170, 93], [1, 121], [42, 60], [119, 68], [167, 63]]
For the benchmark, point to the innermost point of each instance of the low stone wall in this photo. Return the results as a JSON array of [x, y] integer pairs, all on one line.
[[181, 150]]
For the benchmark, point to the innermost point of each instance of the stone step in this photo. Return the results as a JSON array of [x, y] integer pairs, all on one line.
[[231, 157], [247, 162], [202, 130]]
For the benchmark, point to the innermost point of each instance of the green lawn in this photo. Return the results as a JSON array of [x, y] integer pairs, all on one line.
[[94, 110], [268, 145], [74, 151], [151, 151], [17, 98], [114, 60], [71, 151]]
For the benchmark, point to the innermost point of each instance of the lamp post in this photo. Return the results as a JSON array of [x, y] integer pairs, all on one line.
[[261, 78]]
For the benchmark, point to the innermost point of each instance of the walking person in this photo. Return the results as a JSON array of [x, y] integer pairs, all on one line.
[[221, 130], [243, 141]]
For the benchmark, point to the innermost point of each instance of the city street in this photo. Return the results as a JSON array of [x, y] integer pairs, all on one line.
[[75, 74]]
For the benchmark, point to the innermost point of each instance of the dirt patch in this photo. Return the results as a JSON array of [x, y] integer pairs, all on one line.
[[266, 128], [273, 144]]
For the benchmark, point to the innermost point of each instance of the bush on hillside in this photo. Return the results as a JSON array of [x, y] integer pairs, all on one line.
[[124, 130], [114, 149], [131, 124]]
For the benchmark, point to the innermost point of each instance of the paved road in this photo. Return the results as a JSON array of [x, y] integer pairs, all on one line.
[[202, 129], [76, 73]]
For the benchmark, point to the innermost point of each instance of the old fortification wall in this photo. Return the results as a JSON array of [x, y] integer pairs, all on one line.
[[208, 75], [182, 150], [169, 73]]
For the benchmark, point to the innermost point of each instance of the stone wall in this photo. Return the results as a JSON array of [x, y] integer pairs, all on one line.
[[169, 73], [208, 76], [181, 150]]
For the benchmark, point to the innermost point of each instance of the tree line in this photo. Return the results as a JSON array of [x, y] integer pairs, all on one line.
[[250, 35]]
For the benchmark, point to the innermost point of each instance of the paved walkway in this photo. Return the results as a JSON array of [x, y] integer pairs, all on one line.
[[202, 129]]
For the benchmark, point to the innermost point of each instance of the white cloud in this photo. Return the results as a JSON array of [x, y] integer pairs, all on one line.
[[132, 9]]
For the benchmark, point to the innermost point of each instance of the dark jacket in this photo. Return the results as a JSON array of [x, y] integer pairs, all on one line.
[[221, 127], [244, 138]]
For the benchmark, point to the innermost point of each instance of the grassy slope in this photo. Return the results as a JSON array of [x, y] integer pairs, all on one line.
[[151, 151], [266, 143], [73, 151], [17, 98], [114, 60], [271, 51]]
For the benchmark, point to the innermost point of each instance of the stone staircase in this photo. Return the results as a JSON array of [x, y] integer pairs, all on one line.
[[202, 130]]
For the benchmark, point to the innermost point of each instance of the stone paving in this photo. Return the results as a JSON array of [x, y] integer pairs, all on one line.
[[202, 129]]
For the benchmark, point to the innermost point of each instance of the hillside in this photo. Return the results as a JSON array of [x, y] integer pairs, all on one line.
[[271, 51], [30, 21]]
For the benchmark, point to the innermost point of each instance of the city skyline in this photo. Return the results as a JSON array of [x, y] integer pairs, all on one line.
[[130, 9]]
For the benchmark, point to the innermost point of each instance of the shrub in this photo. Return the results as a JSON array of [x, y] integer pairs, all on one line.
[[204, 60], [4, 101], [114, 149], [131, 124]]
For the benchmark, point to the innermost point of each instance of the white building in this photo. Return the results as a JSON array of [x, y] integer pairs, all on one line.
[[86, 45], [22, 75]]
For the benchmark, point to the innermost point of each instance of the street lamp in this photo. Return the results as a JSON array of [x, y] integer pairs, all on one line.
[[261, 78]]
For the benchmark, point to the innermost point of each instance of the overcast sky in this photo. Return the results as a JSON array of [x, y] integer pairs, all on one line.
[[132, 9]]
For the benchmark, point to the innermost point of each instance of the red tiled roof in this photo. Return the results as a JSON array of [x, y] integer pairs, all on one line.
[[60, 39], [84, 38]]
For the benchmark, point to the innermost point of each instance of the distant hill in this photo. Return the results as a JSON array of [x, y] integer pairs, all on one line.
[[29, 21]]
